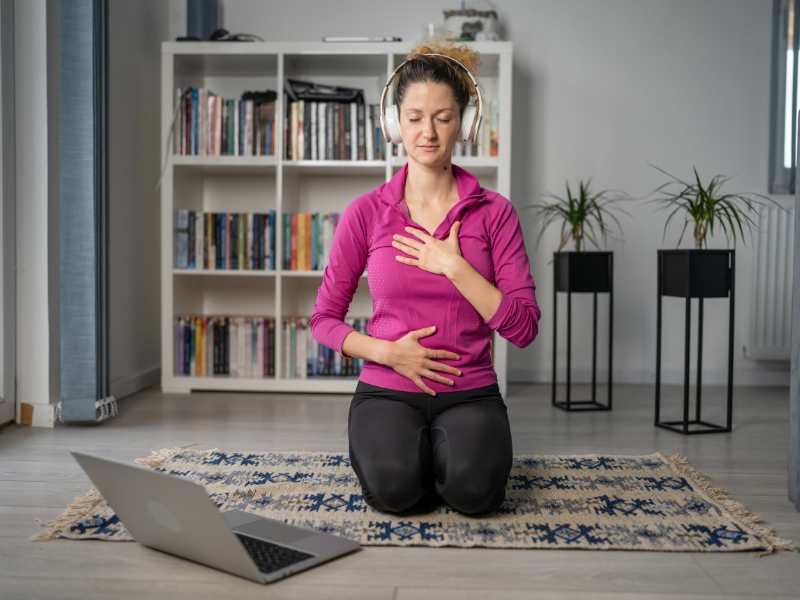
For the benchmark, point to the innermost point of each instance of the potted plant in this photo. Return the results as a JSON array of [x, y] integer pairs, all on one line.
[[587, 216], [584, 215], [700, 273], [705, 207]]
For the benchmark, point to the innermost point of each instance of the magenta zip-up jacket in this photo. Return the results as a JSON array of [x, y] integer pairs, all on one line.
[[406, 297]]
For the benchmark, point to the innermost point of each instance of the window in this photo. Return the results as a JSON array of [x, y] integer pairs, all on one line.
[[783, 135]]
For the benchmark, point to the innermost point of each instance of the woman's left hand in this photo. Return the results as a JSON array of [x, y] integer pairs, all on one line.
[[433, 255]]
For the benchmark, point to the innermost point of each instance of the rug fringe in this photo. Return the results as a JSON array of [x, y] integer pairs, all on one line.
[[158, 457], [78, 508], [770, 537]]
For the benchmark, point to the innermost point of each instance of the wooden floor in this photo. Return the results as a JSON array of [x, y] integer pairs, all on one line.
[[38, 479]]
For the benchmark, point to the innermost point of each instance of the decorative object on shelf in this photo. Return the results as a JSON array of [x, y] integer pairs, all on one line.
[[358, 38], [470, 25], [582, 272], [700, 273]]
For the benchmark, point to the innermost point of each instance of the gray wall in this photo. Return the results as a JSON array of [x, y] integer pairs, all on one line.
[[136, 30], [600, 90]]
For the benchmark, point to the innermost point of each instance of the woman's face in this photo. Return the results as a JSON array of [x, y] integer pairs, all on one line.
[[429, 122]]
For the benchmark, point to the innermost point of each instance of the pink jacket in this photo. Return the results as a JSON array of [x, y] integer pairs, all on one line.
[[406, 297]]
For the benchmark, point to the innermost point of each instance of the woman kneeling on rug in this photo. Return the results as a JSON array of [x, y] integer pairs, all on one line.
[[434, 243]]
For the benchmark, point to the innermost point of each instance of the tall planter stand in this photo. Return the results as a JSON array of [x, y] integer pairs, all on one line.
[[696, 273], [583, 272]]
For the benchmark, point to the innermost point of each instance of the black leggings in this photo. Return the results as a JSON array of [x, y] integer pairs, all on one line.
[[411, 450]]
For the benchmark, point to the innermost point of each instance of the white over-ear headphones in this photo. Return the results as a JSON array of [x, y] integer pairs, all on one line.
[[470, 120]]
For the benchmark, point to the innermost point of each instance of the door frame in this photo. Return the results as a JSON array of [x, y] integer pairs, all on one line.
[[8, 238]]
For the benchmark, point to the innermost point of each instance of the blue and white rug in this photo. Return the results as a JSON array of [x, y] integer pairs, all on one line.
[[589, 502]]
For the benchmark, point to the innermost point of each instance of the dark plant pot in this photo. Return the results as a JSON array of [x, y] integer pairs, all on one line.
[[583, 271], [697, 273]]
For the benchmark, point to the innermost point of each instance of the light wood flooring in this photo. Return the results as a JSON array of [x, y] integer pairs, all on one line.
[[38, 479]]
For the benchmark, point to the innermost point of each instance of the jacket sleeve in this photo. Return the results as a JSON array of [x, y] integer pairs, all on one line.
[[517, 317], [346, 262]]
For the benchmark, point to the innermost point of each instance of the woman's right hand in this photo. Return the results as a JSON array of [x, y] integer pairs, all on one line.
[[409, 358]]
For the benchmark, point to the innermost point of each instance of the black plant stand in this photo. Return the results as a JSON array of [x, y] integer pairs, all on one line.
[[583, 272], [697, 274]]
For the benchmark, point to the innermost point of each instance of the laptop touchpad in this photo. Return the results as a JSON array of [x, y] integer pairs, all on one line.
[[274, 532]]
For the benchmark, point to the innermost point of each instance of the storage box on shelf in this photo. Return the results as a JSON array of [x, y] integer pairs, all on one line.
[[262, 283]]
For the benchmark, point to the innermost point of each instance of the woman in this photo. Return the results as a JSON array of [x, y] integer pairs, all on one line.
[[435, 244]]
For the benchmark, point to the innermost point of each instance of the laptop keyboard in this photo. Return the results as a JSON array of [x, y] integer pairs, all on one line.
[[270, 557]]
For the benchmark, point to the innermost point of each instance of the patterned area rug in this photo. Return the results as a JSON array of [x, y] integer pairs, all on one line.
[[591, 502]]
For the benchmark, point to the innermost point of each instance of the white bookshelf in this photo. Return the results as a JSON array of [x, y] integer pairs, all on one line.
[[262, 183]]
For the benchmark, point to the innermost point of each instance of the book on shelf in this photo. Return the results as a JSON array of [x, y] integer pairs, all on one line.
[[225, 241], [305, 357], [219, 345], [209, 125], [307, 239], [315, 130]]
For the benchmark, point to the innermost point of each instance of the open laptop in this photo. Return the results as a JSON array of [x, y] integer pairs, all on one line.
[[176, 516]]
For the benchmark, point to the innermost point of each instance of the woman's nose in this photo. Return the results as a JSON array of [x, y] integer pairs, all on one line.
[[430, 131]]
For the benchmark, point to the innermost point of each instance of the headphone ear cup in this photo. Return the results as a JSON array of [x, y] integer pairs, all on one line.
[[392, 120], [466, 121]]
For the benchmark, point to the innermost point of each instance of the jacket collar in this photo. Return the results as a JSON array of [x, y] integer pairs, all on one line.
[[393, 191]]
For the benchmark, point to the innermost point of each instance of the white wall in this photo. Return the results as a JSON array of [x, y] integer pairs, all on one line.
[[136, 30], [600, 90], [33, 335]]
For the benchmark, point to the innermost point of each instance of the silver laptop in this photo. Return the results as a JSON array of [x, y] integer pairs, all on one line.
[[176, 516]]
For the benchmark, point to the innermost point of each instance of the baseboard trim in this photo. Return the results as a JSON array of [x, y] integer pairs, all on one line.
[[125, 386]]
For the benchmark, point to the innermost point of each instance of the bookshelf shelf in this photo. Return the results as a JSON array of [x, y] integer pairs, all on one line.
[[226, 272], [274, 183], [308, 273], [335, 384]]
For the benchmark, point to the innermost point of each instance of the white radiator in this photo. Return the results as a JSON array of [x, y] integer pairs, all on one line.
[[771, 314]]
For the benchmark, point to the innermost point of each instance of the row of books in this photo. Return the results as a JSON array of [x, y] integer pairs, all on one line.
[[246, 241], [236, 346], [332, 131], [304, 357], [244, 346], [224, 241], [307, 239], [207, 124]]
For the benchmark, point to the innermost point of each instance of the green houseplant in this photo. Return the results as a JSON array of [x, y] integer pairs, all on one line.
[[582, 215], [700, 273], [706, 206]]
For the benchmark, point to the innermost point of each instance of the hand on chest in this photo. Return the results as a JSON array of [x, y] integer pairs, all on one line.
[[397, 278]]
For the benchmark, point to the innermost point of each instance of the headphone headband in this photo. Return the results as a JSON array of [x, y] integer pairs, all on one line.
[[478, 114]]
